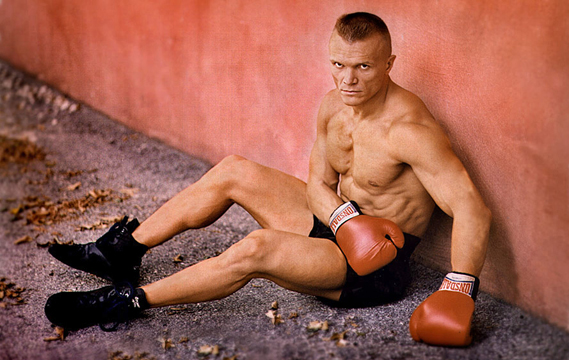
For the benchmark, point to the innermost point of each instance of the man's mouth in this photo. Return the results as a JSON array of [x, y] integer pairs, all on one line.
[[349, 92]]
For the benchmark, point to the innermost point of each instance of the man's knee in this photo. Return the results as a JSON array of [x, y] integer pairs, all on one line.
[[230, 170], [250, 255], [236, 176]]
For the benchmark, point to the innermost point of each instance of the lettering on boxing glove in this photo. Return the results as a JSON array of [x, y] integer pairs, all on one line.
[[342, 214], [445, 317], [462, 283]]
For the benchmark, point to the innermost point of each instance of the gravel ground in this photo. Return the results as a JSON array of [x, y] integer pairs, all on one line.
[[75, 170]]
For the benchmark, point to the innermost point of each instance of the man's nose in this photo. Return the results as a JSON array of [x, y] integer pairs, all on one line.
[[350, 77]]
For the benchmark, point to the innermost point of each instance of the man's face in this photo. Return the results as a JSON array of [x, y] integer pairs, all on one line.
[[360, 68]]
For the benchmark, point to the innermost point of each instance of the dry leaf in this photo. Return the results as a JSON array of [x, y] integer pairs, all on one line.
[[293, 315], [316, 325], [23, 239], [130, 192], [166, 343], [275, 305], [339, 338], [60, 335], [341, 343], [15, 211], [205, 350], [178, 258], [75, 186], [275, 318]]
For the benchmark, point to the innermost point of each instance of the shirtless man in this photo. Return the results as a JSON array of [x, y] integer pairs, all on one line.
[[377, 146]]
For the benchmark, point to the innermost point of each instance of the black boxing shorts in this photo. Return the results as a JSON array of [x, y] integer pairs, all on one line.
[[385, 285]]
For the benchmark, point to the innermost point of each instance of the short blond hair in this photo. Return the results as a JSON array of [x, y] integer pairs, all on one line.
[[361, 25]]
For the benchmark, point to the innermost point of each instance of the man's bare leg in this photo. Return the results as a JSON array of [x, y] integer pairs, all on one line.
[[276, 200], [307, 265]]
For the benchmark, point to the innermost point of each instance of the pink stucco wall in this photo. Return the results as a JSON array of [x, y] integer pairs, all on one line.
[[246, 76]]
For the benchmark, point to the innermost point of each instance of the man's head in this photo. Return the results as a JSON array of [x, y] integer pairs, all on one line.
[[360, 55]]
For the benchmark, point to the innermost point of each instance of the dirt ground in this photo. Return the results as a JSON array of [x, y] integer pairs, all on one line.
[[67, 172]]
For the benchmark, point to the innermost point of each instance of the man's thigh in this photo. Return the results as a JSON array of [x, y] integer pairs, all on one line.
[[275, 199]]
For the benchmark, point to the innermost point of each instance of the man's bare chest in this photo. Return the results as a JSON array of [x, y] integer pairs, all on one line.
[[361, 154]]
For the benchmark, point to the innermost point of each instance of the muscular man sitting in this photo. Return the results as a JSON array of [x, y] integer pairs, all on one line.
[[379, 166]]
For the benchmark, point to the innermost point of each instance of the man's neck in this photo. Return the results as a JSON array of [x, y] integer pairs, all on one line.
[[374, 106]]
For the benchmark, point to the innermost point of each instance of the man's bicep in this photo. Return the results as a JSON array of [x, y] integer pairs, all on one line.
[[446, 180], [320, 169], [322, 178], [438, 168]]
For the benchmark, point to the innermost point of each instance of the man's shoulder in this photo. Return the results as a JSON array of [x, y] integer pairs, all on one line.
[[413, 123], [330, 106], [408, 107], [408, 111]]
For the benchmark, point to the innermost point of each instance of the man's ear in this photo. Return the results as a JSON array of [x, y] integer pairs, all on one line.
[[389, 64]]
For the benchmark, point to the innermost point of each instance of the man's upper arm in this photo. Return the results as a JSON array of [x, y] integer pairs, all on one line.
[[322, 178], [428, 151], [320, 169]]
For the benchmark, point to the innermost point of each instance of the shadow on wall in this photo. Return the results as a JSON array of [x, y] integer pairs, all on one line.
[[434, 251]]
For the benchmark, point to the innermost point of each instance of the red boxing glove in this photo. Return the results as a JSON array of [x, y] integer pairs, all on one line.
[[445, 317], [368, 243]]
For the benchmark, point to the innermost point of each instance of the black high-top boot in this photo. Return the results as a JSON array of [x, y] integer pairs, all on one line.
[[108, 306], [115, 256]]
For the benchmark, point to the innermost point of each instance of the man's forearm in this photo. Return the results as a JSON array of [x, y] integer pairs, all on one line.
[[470, 235], [322, 201]]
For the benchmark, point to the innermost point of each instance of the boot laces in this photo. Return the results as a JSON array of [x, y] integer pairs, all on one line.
[[121, 301]]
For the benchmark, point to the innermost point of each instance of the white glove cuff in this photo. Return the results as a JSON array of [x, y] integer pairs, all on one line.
[[462, 283], [342, 214]]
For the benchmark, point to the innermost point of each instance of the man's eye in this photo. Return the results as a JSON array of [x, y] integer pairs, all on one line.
[[338, 65], [364, 66]]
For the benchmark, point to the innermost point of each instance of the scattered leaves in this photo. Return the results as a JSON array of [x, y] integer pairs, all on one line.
[[54, 241], [10, 294], [59, 335], [205, 350], [19, 151], [119, 355], [42, 211], [100, 224]]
